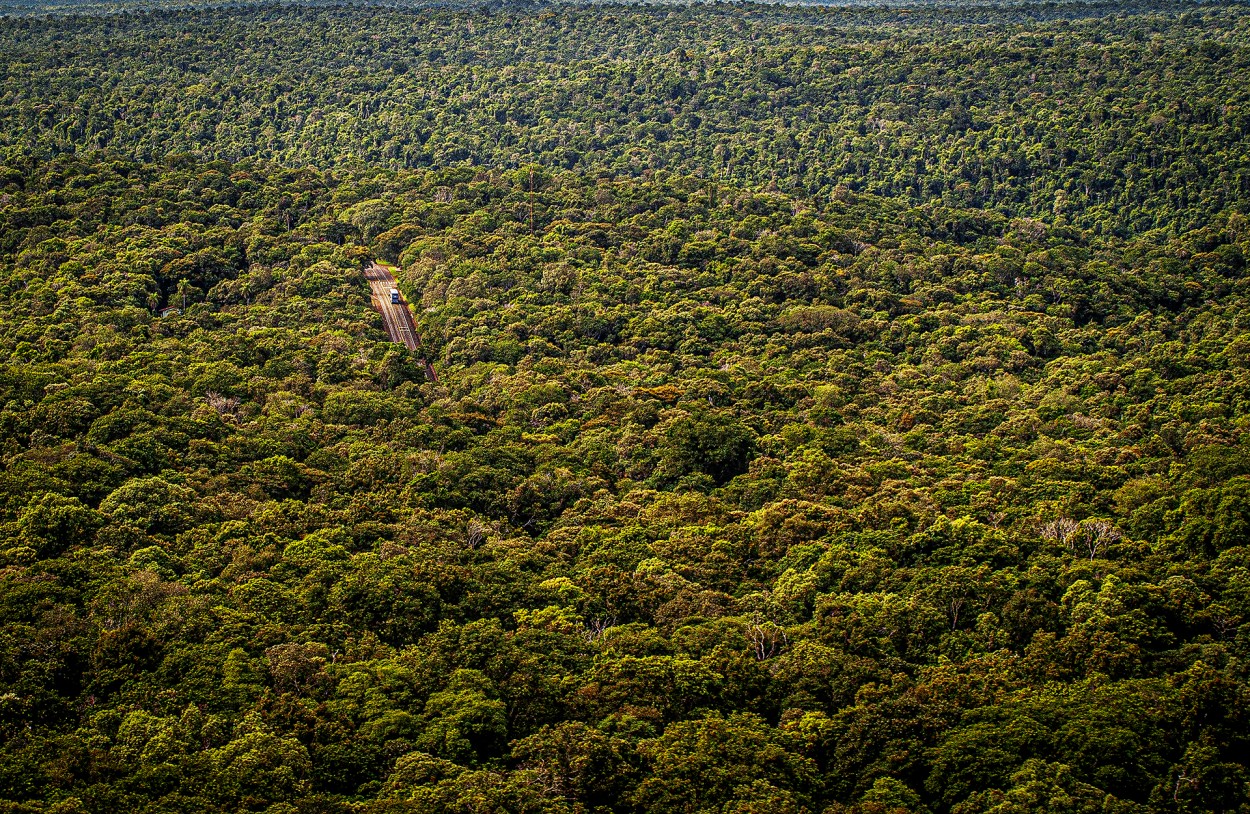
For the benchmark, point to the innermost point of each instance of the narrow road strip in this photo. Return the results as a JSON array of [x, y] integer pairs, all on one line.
[[396, 317]]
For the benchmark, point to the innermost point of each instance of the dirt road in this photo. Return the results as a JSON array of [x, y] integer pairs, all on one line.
[[396, 317]]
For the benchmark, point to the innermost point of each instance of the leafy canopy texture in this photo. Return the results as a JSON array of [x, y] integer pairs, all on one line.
[[828, 411]]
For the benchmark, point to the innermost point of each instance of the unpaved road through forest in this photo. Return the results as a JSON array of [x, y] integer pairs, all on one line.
[[396, 317]]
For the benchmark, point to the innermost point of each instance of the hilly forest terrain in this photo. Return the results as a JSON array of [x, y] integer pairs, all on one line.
[[833, 410]]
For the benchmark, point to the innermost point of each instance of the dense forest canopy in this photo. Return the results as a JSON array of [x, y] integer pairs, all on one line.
[[1123, 124], [838, 411]]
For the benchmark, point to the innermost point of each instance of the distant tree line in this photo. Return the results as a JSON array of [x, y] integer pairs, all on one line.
[[1118, 126]]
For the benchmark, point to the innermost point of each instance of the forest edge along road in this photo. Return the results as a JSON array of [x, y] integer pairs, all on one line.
[[396, 317]]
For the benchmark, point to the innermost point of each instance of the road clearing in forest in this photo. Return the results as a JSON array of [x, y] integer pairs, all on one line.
[[395, 316]]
